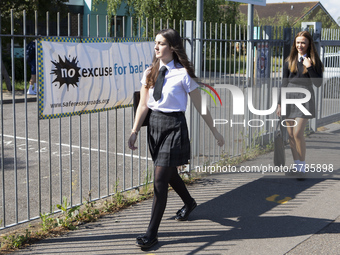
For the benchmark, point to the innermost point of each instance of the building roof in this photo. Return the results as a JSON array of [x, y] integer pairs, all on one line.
[[295, 10]]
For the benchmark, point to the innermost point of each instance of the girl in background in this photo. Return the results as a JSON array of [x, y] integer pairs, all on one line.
[[302, 69]]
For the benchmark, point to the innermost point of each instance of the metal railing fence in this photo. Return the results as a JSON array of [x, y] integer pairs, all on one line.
[[86, 157]]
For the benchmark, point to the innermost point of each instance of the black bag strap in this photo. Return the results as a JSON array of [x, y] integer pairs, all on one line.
[[279, 127]]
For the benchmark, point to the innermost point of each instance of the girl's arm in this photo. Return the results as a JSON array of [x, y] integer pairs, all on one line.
[[141, 112]]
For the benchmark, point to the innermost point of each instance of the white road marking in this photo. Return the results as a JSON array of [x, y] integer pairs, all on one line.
[[73, 146]]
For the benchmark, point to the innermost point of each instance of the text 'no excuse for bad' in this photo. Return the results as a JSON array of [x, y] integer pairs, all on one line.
[[115, 70]]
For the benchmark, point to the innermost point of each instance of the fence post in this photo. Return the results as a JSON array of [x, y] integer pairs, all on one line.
[[199, 42], [287, 38], [191, 115], [3, 71], [250, 45], [317, 42]]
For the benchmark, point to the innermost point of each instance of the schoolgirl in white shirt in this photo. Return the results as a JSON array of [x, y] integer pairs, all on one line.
[[168, 137]]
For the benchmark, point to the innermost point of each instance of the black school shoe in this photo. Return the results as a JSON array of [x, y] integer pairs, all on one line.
[[301, 176], [185, 211], [143, 242]]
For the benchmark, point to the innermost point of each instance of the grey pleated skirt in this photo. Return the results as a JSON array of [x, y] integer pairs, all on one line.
[[168, 139], [293, 111]]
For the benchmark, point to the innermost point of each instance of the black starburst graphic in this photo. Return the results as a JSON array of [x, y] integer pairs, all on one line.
[[67, 72]]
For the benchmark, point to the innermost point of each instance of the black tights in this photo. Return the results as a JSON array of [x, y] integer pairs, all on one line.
[[162, 177]]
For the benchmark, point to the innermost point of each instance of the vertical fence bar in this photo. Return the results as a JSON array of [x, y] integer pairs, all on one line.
[[90, 155], [80, 144], [107, 153], [139, 27], [146, 144], [89, 119], [226, 134], [115, 26], [210, 82], [38, 122], [70, 122], [107, 132], [50, 149], [123, 26], [98, 128], [116, 152], [26, 119], [131, 27], [98, 163], [244, 48], [2, 142], [232, 136], [15, 172], [123, 145], [204, 48], [131, 153], [97, 25], [180, 28]]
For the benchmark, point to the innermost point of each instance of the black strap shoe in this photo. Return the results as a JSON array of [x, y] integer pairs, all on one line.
[[185, 211], [143, 242]]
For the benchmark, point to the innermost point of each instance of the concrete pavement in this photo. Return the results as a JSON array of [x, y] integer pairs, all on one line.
[[19, 97], [237, 213]]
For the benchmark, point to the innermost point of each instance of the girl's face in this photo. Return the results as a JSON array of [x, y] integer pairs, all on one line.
[[302, 44], [162, 49]]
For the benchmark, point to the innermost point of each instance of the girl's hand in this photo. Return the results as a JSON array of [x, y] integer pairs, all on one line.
[[219, 138], [132, 140], [278, 110], [307, 62]]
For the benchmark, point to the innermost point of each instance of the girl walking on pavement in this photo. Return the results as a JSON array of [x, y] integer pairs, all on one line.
[[302, 69], [165, 86]]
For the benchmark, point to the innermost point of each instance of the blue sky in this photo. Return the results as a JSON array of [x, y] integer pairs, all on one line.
[[332, 6]]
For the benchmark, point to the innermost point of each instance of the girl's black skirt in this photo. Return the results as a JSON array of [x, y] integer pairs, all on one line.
[[168, 138], [293, 111]]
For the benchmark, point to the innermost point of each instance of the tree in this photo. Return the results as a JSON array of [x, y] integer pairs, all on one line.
[[318, 15], [17, 7], [173, 10], [280, 20], [30, 6], [284, 20]]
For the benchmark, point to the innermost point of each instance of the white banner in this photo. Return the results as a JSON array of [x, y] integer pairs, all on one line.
[[77, 78]]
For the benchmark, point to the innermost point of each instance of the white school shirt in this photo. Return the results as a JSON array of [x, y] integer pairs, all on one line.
[[177, 84]]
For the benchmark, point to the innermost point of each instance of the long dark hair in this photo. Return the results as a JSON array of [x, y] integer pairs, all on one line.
[[179, 56], [311, 52]]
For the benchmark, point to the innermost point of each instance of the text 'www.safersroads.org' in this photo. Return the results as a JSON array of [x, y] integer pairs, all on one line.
[[80, 103]]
